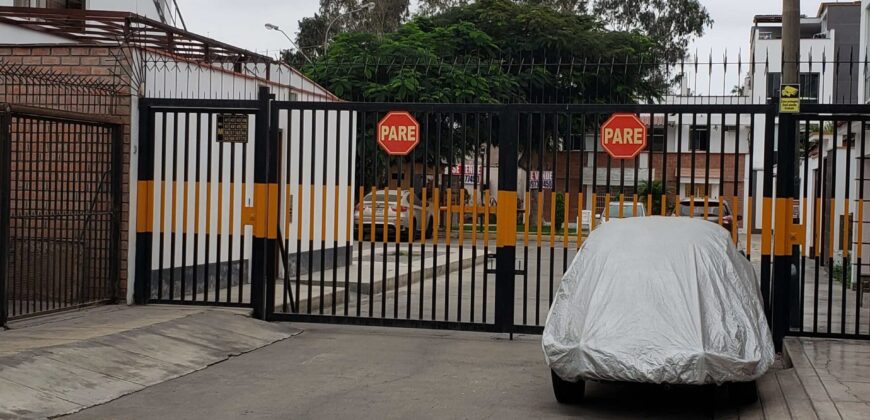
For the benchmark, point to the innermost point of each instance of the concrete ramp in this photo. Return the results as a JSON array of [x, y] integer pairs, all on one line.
[[88, 358]]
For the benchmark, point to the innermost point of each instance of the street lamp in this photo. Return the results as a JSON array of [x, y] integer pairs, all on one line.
[[368, 6], [272, 27]]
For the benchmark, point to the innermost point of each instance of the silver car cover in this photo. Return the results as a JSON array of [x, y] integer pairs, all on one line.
[[659, 300]]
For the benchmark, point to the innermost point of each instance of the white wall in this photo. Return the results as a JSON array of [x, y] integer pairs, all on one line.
[[14, 35], [179, 79]]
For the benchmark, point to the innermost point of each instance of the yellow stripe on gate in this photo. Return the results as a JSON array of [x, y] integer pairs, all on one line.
[[848, 223], [349, 221], [144, 206], [804, 247], [335, 214], [553, 226], [565, 212], [734, 211], [749, 227], [664, 206], [766, 225], [362, 205], [436, 206], [782, 227], [540, 230], [263, 216], [817, 236], [506, 211], [527, 216], [833, 220]]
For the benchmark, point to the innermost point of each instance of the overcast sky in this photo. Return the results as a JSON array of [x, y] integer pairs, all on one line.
[[241, 23]]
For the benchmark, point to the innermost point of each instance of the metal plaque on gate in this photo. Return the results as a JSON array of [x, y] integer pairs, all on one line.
[[232, 128]]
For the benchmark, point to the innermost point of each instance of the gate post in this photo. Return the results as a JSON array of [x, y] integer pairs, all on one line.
[[263, 254], [506, 236], [144, 208], [5, 184], [784, 227]]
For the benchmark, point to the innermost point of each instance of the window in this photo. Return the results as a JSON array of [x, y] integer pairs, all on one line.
[[700, 138], [659, 139], [809, 83]]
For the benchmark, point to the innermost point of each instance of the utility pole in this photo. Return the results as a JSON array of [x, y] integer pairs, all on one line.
[[787, 256]]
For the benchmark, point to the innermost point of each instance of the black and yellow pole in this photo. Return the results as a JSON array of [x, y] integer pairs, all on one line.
[[144, 209], [506, 213], [264, 215]]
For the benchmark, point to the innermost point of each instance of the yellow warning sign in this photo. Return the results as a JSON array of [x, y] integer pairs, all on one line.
[[790, 98]]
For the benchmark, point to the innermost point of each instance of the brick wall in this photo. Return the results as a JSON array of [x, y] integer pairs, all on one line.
[[96, 62]]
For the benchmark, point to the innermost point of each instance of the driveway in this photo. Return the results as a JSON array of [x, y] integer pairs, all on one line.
[[375, 373]]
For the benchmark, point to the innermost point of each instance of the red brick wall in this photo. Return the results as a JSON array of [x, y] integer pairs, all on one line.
[[98, 63]]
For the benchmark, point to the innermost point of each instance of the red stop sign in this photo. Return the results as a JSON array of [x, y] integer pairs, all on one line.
[[398, 133], [624, 136]]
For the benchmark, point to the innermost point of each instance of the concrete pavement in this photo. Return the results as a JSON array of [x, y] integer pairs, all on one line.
[[334, 372], [67, 362]]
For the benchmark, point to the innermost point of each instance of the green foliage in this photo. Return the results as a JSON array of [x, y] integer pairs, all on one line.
[[560, 213], [657, 190]]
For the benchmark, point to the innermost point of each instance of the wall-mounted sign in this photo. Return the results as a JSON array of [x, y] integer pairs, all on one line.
[[232, 128], [790, 98]]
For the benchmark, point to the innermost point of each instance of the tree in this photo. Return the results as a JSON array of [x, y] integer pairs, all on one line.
[[670, 23], [339, 16], [492, 51]]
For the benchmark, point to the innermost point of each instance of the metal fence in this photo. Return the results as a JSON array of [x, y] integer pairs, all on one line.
[[60, 213], [60, 192]]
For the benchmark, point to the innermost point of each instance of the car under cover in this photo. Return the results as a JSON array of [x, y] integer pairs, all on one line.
[[661, 300]]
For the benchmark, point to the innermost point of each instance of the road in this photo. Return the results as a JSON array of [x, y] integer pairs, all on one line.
[[370, 373]]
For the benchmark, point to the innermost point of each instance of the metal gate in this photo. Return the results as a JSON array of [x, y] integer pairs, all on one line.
[[474, 229], [311, 221], [200, 165], [60, 204]]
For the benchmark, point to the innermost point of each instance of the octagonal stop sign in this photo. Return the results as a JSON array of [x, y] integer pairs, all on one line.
[[623, 136], [398, 133]]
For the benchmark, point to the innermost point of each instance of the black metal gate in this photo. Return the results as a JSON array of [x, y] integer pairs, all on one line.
[[60, 204], [474, 228], [199, 235]]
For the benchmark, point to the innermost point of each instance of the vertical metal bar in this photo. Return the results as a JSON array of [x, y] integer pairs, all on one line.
[[539, 239], [114, 251], [859, 252], [474, 219], [300, 225], [749, 223], [847, 177], [427, 223], [832, 212], [804, 221], [461, 227], [174, 203], [487, 208], [259, 137], [219, 263], [5, 207], [767, 212], [324, 185], [664, 204], [311, 216], [412, 223], [553, 226], [527, 204], [208, 207], [164, 184], [184, 206], [437, 206], [448, 238]]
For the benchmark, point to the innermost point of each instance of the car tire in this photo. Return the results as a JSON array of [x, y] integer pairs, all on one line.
[[567, 392], [743, 393]]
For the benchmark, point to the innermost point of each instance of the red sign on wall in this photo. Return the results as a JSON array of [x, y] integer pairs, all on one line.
[[624, 136], [398, 133]]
